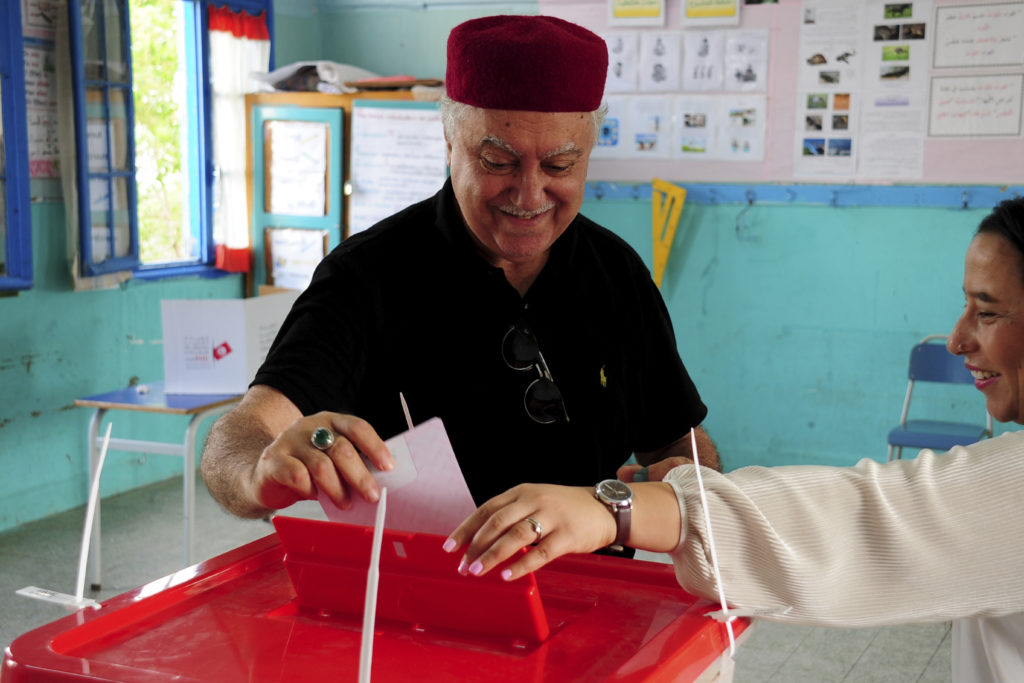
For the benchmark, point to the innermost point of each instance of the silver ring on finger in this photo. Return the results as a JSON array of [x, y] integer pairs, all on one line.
[[537, 528], [322, 438]]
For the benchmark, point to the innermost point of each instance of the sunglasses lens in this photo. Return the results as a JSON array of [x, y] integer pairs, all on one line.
[[544, 403], [519, 348]]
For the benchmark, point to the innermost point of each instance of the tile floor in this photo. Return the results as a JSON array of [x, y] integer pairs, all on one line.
[[142, 541]]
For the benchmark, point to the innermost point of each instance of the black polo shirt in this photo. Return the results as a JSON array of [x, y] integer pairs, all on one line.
[[410, 306]]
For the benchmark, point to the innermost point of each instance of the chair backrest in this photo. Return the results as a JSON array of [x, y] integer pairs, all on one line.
[[930, 361]]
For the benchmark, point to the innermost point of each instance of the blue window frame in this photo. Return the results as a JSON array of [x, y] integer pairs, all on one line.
[[100, 42], [15, 214]]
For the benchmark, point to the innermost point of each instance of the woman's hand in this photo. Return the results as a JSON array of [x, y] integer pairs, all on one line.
[[571, 520]]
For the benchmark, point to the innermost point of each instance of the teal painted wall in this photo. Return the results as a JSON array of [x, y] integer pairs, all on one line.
[[56, 345], [795, 321], [297, 39], [416, 39]]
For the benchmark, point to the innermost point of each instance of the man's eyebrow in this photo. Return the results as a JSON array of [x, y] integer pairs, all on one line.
[[567, 148], [498, 142], [564, 149]]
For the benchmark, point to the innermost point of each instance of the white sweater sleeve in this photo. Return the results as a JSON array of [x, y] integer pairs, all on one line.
[[933, 538]]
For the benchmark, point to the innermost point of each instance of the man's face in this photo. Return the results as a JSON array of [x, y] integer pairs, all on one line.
[[519, 178]]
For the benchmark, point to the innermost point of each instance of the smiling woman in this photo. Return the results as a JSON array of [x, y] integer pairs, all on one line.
[[990, 333]]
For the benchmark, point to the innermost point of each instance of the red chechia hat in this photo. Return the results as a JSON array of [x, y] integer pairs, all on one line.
[[526, 63]]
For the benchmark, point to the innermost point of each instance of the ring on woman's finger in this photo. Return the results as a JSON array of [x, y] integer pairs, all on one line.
[[536, 526], [322, 438]]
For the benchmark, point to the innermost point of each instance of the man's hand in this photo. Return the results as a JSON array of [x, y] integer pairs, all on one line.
[[260, 457]]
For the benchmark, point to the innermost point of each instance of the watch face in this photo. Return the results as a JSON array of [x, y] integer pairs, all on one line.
[[614, 490]]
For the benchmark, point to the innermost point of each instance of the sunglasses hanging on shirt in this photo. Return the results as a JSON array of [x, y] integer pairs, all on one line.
[[543, 400]]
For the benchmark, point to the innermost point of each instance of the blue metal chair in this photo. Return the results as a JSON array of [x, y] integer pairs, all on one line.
[[932, 362]]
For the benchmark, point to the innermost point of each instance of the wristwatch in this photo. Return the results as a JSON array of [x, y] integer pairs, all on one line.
[[619, 499]]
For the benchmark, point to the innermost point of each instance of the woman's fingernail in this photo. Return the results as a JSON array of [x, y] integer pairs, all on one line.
[[373, 495], [449, 545], [506, 574], [462, 566], [476, 568], [642, 474]]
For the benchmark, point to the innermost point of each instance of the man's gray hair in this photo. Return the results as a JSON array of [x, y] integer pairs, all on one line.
[[454, 113]]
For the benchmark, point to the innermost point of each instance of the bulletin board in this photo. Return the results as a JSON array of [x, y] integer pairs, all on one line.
[[942, 130]]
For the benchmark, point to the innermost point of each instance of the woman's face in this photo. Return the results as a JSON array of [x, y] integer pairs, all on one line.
[[990, 332]]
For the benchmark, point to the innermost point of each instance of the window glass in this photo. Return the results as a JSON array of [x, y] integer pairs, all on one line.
[[92, 41], [161, 132], [3, 224], [3, 196]]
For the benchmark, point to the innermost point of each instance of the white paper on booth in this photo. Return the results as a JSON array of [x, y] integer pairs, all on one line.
[[264, 315]]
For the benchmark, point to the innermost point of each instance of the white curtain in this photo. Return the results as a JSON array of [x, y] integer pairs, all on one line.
[[239, 47]]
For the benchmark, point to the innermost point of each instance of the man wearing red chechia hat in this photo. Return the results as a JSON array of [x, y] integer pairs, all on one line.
[[535, 334]]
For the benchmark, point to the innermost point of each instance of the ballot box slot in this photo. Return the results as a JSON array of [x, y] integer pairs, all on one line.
[[419, 583]]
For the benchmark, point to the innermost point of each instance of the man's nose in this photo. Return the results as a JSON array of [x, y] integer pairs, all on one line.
[[531, 189]]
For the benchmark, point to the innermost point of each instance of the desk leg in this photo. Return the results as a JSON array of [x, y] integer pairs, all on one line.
[[189, 479], [189, 487], [95, 560]]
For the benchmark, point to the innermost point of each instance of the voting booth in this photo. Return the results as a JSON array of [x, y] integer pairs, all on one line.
[[215, 346]]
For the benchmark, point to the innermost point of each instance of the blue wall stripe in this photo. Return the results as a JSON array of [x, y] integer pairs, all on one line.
[[951, 196]]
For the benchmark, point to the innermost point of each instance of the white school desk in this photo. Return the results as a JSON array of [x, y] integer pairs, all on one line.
[[150, 398]]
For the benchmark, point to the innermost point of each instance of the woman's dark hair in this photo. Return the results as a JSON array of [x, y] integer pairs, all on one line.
[[1007, 220]]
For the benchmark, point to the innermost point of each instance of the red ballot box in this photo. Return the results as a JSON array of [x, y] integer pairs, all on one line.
[[257, 614]]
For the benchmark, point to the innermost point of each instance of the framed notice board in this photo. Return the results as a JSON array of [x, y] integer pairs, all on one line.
[[292, 254], [296, 182]]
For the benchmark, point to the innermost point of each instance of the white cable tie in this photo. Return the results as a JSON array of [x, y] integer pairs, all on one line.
[[711, 544]]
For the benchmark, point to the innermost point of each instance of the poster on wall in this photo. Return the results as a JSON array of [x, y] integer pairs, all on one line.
[[705, 13], [696, 134], [828, 91], [746, 60], [897, 45], [703, 60], [979, 35], [41, 113], [622, 59], [649, 134], [398, 158], [660, 61], [636, 12], [976, 106], [611, 141], [743, 129], [39, 18]]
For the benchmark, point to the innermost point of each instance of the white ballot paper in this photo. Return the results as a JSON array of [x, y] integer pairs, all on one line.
[[426, 491]]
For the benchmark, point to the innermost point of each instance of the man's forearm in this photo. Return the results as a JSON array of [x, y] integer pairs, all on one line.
[[707, 454], [232, 449]]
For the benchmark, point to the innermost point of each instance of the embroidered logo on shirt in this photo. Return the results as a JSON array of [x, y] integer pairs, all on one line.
[[604, 378]]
